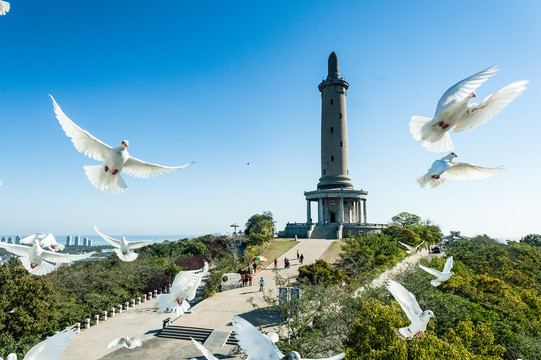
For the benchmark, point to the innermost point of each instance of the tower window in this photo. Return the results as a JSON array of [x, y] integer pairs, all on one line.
[[332, 129], [341, 144], [331, 101], [324, 171], [340, 115], [332, 158]]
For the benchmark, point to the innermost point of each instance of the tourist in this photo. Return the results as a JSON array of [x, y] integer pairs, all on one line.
[[255, 267], [275, 263], [285, 263], [301, 258], [250, 279], [297, 254], [243, 280], [261, 284]]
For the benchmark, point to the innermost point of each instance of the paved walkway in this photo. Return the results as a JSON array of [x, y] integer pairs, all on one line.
[[215, 312]]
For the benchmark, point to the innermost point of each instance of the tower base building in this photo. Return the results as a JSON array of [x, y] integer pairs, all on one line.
[[341, 208]]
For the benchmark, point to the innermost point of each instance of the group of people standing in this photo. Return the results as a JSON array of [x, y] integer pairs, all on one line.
[[287, 262]]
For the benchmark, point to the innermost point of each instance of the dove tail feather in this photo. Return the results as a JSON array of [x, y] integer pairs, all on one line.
[[42, 269], [427, 179], [443, 143], [105, 181], [129, 257], [416, 126], [435, 282], [404, 333]]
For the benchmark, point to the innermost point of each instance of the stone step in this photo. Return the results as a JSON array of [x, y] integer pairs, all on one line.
[[199, 334]]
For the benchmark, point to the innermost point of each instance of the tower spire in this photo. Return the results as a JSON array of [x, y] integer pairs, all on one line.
[[333, 67]]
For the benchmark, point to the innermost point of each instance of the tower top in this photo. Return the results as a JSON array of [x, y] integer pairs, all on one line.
[[333, 67]]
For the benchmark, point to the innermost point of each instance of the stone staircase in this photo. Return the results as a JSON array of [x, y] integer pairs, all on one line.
[[324, 231], [199, 334]]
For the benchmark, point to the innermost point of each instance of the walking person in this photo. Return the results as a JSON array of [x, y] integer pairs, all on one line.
[[275, 263], [285, 263], [301, 258], [261, 284], [255, 267], [243, 280], [250, 279], [298, 254]]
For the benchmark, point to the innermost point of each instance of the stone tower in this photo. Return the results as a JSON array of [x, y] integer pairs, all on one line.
[[334, 131], [341, 208]]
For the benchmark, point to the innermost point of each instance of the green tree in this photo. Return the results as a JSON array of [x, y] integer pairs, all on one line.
[[259, 228], [406, 220], [402, 234], [320, 272], [430, 233], [532, 239]]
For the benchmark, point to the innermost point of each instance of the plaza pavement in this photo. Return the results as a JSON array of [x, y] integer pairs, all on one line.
[[215, 312]]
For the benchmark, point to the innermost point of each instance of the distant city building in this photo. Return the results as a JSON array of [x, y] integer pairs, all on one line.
[[4, 239], [89, 242], [10, 240], [68, 240], [85, 241], [18, 239], [341, 208], [77, 238]]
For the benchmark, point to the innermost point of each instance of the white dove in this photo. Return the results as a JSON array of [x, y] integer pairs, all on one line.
[[260, 347], [411, 249], [183, 289], [454, 113], [419, 318], [458, 171], [106, 177], [124, 250], [32, 257], [4, 7], [440, 276], [45, 241], [204, 351], [51, 348], [129, 342]]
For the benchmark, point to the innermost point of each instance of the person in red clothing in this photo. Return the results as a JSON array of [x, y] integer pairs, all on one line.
[[276, 263]]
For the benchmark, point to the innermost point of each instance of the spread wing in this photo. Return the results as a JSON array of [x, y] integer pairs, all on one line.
[[135, 341], [448, 265], [463, 88], [64, 258], [422, 242], [204, 350], [256, 345], [142, 169], [406, 245], [19, 250], [110, 240], [85, 143], [117, 341], [431, 271], [139, 244], [29, 239], [53, 347], [465, 171], [407, 300], [186, 283], [479, 114]]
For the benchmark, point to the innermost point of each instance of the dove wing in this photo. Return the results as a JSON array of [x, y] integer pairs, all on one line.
[[139, 244], [463, 88], [85, 143], [204, 350], [28, 240], [142, 169], [110, 240], [431, 271], [64, 258], [182, 284], [478, 114], [406, 245], [465, 171], [117, 341], [135, 341], [256, 345], [407, 300], [19, 250], [448, 265], [335, 357], [51, 348]]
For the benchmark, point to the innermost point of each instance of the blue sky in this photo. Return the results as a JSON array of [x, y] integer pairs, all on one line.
[[226, 83]]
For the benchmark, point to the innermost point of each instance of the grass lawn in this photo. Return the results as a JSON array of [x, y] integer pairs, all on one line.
[[277, 248], [333, 252]]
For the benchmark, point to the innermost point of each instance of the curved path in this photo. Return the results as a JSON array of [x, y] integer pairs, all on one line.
[[215, 312]]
